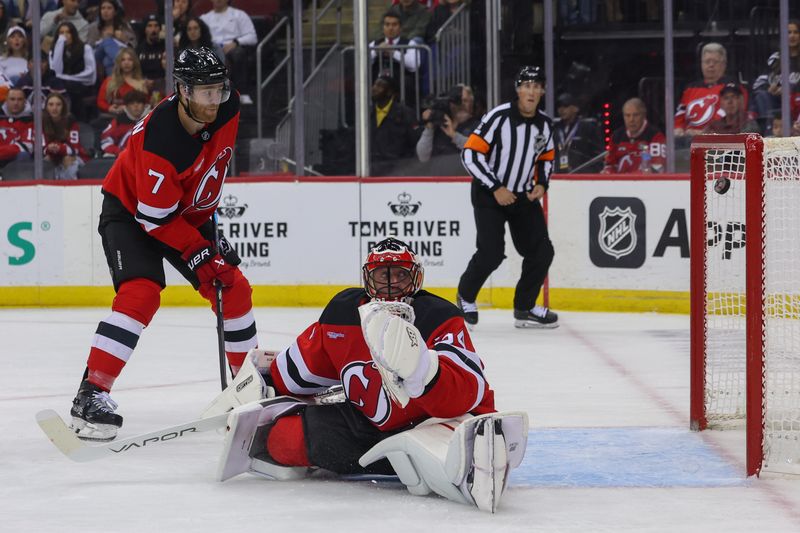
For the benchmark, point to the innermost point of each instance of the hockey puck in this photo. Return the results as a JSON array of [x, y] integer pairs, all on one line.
[[722, 185]]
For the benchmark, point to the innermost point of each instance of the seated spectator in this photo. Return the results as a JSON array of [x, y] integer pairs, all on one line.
[[578, 139], [69, 12], [414, 20], [115, 136], [699, 104], [14, 61], [767, 87], [50, 82], [109, 34], [735, 119], [796, 127], [16, 128], [448, 120], [638, 147], [62, 146], [73, 62], [126, 76], [400, 63], [181, 13], [196, 35], [392, 128], [150, 49], [233, 30]]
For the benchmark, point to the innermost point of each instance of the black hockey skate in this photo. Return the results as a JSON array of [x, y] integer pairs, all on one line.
[[470, 310], [538, 317], [93, 416]]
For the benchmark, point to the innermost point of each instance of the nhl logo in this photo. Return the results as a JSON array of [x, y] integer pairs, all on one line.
[[205, 136], [404, 207], [230, 207], [617, 237]]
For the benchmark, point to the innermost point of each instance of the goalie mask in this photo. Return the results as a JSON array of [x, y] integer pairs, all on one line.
[[392, 271]]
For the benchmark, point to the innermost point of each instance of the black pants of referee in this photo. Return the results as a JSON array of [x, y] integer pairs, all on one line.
[[529, 234]]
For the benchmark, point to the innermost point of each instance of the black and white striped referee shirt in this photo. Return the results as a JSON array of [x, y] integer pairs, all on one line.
[[509, 150]]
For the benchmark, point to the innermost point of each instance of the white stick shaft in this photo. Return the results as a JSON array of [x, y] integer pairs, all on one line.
[[70, 445]]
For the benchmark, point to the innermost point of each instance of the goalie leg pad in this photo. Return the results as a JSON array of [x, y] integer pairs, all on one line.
[[483, 452], [248, 386], [470, 464], [418, 457], [243, 423]]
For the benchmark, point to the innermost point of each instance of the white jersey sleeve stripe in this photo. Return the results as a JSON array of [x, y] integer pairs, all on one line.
[[296, 375]]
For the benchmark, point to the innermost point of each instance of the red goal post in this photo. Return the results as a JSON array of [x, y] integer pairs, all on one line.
[[745, 294]]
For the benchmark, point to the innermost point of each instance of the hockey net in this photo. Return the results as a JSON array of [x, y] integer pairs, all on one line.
[[745, 286]]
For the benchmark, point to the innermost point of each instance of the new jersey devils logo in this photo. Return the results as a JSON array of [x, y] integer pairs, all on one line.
[[209, 191], [700, 111], [363, 387]]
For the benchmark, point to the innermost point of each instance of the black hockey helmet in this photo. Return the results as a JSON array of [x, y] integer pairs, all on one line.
[[199, 66], [529, 73]]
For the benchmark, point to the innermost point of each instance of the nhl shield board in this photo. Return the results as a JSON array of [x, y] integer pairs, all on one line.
[[617, 232]]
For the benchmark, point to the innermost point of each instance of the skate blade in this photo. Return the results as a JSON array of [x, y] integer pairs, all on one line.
[[526, 324], [93, 432]]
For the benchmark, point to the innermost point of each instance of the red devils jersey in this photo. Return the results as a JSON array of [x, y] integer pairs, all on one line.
[[625, 154], [169, 180], [16, 134], [333, 351], [699, 104]]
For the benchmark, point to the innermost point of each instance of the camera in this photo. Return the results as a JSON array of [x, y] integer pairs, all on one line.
[[439, 106]]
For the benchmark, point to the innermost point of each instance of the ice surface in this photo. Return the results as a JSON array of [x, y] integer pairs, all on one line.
[[607, 396]]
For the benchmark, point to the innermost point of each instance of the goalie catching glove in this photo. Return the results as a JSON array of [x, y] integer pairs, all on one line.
[[208, 265], [405, 363]]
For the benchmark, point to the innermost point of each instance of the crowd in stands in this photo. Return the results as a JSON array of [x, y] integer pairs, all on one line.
[[718, 101], [101, 73]]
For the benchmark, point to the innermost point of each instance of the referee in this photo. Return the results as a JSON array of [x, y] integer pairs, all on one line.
[[510, 157]]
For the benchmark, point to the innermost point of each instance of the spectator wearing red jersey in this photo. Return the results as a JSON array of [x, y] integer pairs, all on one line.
[[62, 145], [699, 104], [115, 136], [125, 77], [16, 128], [735, 119], [638, 147]]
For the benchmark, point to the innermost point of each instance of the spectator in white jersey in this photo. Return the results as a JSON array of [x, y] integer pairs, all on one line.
[[510, 157], [232, 30]]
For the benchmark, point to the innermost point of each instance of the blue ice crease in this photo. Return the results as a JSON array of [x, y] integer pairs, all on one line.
[[622, 457]]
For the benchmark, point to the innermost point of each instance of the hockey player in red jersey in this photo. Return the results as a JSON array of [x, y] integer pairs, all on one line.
[[159, 198], [405, 362]]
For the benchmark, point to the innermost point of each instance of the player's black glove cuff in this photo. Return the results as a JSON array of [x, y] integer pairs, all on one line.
[[199, 256]]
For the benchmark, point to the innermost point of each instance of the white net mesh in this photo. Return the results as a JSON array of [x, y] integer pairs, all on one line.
[[725, 288], [782, 305], [725, 375]]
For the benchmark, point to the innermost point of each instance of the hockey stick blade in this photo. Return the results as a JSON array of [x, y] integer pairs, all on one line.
[[74, 448]]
